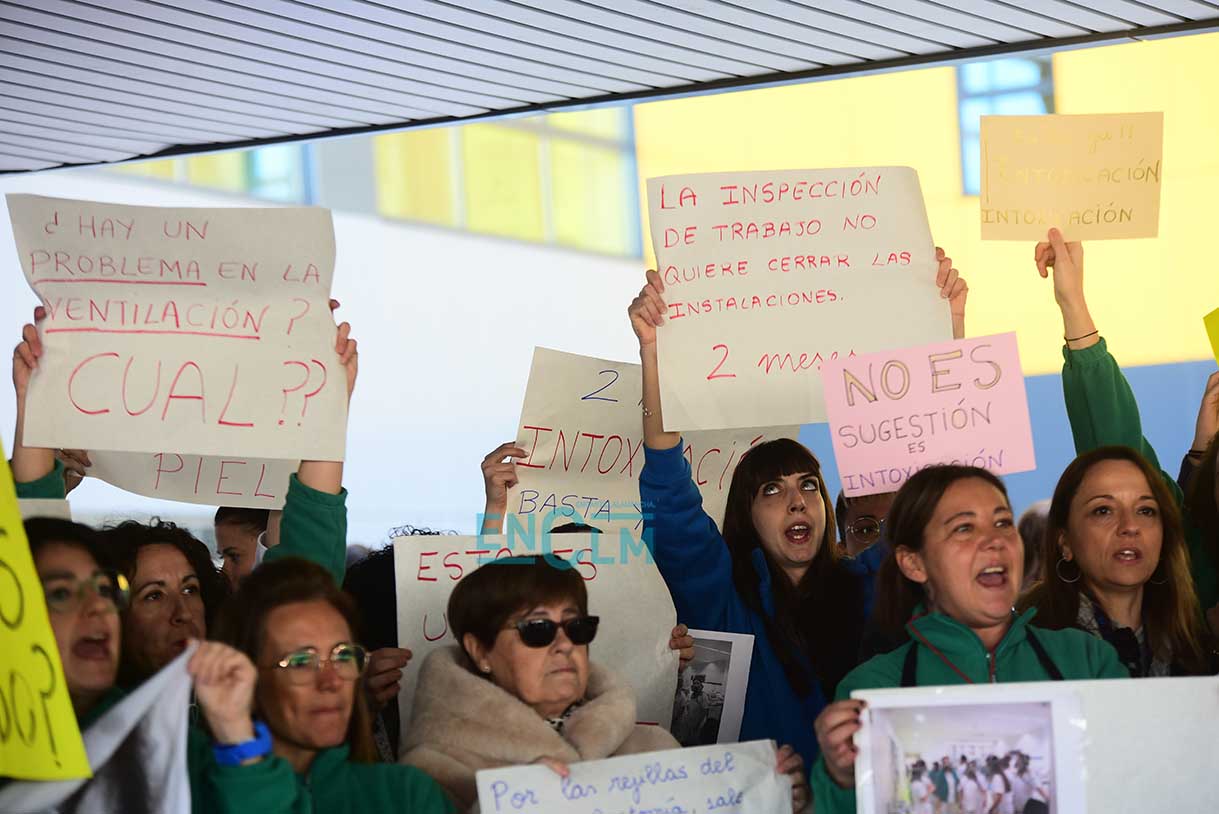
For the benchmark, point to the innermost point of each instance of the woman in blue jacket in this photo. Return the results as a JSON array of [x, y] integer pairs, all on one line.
[[774, 572]]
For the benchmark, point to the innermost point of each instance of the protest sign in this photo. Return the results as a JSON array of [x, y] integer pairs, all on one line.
[[895, 412], [44, 507], [1095, 177], [202, 331], [624, 589], [251, 483], [710, 699], [583, 428], [39, 738], [737, 779], [1211, 321], [137, 751], [1079, 724], [769, 274]]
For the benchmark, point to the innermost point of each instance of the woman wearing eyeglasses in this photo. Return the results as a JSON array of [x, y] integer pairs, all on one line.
[[518, 688], [84, 596], [297, 627]]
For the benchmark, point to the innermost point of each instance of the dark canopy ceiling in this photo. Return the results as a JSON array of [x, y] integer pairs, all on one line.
[[87, 81]]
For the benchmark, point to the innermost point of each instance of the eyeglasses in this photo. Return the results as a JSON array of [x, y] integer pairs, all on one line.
[[867, 528], [542, 632], [301, 666], [69, 595]]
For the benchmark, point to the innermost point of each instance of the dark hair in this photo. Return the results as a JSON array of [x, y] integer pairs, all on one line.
[[1032, 531], [43, 531], [243, 623], [1170, 606], [125, 540], [1200, 499], [486, 598], [840, 516], [252, 520], [913, 507], [821, 616]]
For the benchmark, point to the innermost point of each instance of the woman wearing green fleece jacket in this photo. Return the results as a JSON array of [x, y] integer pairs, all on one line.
[[1100, 403], [949, 583]]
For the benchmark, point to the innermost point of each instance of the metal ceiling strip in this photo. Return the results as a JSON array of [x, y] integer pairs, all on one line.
[[76, 109], [767, 18], [577, 22], [482, 70], [1016, 16], [77, 126], [13, 163], [45, 147], [588, 29], [221, 52], [139, 145], [963, 20], [1086, 17], [817, 19], [136, 52], [209, 104], [50, 88], [656, 24], [945, 35], [394, 56], [235, 97], [271, 46], [1185, 9]]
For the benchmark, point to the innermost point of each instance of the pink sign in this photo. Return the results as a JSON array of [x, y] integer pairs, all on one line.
[[896, 412]]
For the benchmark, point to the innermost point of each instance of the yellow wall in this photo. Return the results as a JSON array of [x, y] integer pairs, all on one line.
[[1148, 296]]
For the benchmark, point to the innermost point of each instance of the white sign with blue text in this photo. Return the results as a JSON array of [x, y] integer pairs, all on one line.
[[725, 779]]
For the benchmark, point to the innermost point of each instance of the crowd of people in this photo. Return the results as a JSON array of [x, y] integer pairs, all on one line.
[[996, 785], [296, 667]]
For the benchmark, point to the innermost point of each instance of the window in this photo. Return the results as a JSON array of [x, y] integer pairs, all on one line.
[[562, 178], [277, 172], [1012, 86]]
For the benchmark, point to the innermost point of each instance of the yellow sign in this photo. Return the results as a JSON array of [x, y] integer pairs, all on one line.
[[1093, 177], [1211, 321], [39, 738]]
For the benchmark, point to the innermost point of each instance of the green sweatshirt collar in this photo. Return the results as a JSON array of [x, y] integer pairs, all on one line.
[[959, 645]]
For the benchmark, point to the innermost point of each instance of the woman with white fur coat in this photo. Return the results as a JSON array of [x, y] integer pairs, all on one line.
[[520, 688]]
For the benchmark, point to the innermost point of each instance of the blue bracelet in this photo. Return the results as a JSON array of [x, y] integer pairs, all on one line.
[[237, 753]]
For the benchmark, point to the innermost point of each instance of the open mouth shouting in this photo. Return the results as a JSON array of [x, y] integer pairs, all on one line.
[[798, 533], [992, 576], [92, 647]]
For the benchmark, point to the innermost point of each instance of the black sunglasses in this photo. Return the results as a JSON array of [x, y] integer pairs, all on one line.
[[542, 632]]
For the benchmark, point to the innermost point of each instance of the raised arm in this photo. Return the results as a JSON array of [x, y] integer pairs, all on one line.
[[314, 521], [1100, 404], [34, 468], [954, 289], [499, 475], [687, 545], [647, 314]]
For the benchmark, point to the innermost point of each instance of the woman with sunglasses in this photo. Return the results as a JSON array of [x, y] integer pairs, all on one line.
[[84, 596], [297, 627], [518, 688]]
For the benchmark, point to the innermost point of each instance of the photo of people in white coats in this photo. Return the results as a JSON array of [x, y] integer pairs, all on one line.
[[994, 759]]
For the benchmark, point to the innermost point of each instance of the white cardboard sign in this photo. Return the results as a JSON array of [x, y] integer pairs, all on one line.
[[204, 331], [768, 274]]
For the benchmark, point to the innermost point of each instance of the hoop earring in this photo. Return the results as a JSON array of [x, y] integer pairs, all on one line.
[[1163, 581], [1058, 571]]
